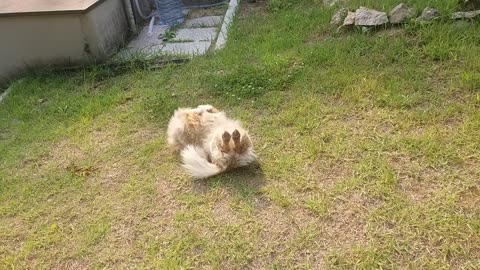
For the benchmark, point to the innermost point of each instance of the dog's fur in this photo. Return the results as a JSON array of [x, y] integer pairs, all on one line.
[[208, 141]]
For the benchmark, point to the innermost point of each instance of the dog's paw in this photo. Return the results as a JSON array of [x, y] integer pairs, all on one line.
[[242, 143], [225, 146], [234, 143]]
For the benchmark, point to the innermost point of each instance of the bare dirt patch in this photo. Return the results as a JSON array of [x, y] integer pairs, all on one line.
[[223, 214], [280, 234], [346, 223], [422, 183], [470, 198], [318, 37], [326, 173], [391, 32], [308, 238], [249, 8], [417, 182], [73, 264], [63, 154]]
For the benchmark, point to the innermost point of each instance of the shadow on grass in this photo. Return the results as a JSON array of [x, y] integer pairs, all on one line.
[[245, 182]]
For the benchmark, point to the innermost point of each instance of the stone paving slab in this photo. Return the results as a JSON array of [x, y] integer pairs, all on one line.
[[144, 52], [207, 21], [194, 37], [196, 34], [190, 48], [144, 40]]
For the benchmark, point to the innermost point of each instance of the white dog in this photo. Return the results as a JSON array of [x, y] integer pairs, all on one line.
[[208, 141]]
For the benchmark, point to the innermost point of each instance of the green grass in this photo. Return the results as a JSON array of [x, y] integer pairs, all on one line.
[[368, 145]]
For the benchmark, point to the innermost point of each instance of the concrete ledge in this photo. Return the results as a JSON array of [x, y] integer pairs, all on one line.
[[4, 94], [222, 36], [9, 89], [45, 7]]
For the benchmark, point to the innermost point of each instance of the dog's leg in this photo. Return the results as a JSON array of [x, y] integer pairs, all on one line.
[[242, 143], [246, 142], [225, 146], [236, 141]]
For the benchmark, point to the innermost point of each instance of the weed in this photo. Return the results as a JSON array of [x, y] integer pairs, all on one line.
[[169, 34]]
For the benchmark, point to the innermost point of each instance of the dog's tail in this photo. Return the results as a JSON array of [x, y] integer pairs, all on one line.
[[195, 161]]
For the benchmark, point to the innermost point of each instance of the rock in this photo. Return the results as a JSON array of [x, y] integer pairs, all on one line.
[[401, 13], [369, 17], [429, 14], [350, 19], [469, 4], [339, 16], [465, 15]]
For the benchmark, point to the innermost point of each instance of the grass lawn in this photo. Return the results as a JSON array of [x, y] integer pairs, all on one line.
[[368, 145]]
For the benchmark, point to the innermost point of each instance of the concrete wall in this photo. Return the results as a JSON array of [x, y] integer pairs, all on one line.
[[105, 28], [29, 41], [60, 38]]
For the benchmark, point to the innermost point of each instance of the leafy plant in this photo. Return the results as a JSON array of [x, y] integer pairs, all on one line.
[[169, 34]]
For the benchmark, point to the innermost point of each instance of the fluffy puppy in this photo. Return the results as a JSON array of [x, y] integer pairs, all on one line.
[[209, 142]]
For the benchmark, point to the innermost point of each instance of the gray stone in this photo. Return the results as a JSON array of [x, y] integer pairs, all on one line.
[[227, 20], [195, 34], [469, 4], [339, 16], [429, 14], [369, 17], [187, 48], [144, 45], [208, 21], [350, 19], [401, 13], [465, 15], [145, 40], [146, 52]]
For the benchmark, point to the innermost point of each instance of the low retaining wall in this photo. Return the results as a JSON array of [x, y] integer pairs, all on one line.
[[60, 37]]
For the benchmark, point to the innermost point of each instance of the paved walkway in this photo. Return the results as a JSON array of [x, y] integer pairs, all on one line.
[[193, 37]]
